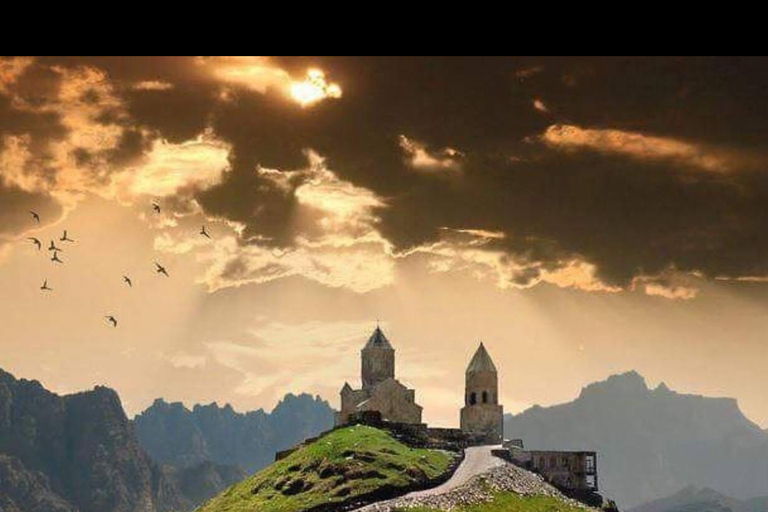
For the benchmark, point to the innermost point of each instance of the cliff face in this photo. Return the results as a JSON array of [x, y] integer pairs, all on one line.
[[175, 435], [84, 446], [23, 490], [80, 453], [652, 442]]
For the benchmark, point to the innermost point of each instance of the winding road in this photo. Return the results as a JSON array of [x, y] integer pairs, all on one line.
[[477, 460]]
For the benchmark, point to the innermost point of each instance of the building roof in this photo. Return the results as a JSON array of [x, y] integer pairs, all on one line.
[[481, 361], [378, 340]]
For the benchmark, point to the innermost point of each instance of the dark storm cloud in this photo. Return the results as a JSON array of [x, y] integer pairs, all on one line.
[[15, 205], [672, 188]]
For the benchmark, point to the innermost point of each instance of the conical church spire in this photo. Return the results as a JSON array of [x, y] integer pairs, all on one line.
[[481, 361], [378, 340]]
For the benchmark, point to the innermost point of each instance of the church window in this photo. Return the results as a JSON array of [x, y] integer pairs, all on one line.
[[485, 397], [473, 398]]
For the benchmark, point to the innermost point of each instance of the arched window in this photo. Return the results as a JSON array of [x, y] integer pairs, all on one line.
[[485, 397], [472, 398]]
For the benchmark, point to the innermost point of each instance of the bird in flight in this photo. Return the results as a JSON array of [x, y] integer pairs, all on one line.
[[65, 238], [204, 232], [36, 242], [56, 257], [156, 207], [45, 286], [128, 281], [35, 216], [161, 269], [111, 320], [53, 247]]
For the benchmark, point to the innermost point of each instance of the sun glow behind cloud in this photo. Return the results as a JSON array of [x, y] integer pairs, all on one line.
[[314, 88], [261, 74]]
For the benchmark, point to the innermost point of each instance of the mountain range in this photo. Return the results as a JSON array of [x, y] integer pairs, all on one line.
[[173, 434], [694, 499], [80, 453], [652, 442]]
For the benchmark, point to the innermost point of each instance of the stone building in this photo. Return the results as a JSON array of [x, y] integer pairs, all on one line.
[[380, 390], [567, 470], [482, 417]]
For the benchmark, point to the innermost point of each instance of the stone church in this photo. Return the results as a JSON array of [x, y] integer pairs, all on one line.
[[481, 416], [381, 391]]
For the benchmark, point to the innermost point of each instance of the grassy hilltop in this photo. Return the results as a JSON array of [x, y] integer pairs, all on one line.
[[345, 463]]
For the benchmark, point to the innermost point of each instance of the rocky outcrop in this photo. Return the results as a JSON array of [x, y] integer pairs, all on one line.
[[175, 435], [22, 490], [479, 489]]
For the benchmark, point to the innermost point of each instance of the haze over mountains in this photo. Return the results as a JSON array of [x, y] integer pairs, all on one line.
[[80, 453], [653, 442], [172, 434], [693, 499]]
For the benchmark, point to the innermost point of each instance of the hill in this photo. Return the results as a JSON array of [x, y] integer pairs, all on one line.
[[693, 499], [173, 434], [652, 442], [343, 465]]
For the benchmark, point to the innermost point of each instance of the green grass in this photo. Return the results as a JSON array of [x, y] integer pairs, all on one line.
[[510, 502], [345, 463]]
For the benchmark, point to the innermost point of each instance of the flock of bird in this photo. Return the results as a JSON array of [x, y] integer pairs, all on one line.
[[65, 238]]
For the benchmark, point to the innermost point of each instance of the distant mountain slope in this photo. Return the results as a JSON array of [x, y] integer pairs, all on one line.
[[172, 434], [83, 445], [652, 443], [693, 499], [22, 490], [79, 453]]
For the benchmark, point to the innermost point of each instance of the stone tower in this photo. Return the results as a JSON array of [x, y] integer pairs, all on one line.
[[482, 416], [378, 360]]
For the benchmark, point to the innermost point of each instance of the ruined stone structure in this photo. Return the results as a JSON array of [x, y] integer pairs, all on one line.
[[381, 391], [482, 416], [575, 470]]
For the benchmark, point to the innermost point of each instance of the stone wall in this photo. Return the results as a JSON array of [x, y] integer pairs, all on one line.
[[485, 421]]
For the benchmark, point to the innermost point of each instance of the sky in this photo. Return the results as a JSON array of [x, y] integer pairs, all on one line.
[[580, 216]]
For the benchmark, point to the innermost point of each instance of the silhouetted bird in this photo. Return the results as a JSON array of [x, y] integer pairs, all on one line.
[[56, 257], [65, 238], [35, 216], [156, 207], [37, 242], [161, 269], [112, 320], [127, 280], [45, 286], [204, 232], [53, 247]]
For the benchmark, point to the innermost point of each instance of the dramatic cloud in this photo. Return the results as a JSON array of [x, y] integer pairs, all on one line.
[[261, 74], [635, 145], [334, 240], [420, 158], [627, 178], [170, 168]]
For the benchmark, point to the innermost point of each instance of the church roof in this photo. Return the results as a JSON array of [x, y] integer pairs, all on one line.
[[378, 340], [481, 361]]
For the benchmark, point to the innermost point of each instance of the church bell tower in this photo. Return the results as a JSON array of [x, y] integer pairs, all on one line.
[[482, 417]]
